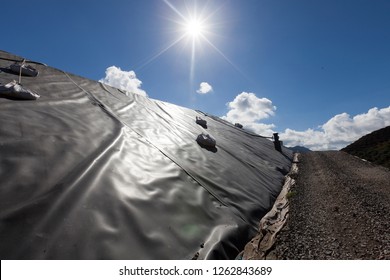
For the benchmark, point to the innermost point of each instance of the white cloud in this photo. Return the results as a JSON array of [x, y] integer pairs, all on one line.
[[125, 80], [339, 131], [248, 110], [260, 128], [336, 133], [204, 88]]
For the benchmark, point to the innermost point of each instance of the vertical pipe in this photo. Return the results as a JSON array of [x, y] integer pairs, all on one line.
[[277, 143]]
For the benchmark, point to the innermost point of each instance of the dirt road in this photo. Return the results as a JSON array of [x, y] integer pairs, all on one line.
[[339, 209]]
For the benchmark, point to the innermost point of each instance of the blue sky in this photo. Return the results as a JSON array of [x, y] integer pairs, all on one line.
[[316, 71]]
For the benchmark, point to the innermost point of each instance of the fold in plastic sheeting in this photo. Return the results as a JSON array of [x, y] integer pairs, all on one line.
[[87, 172], [261, 246]]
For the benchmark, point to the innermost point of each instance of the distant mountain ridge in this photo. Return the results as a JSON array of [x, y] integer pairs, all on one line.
[[374, 147], [299, 149]]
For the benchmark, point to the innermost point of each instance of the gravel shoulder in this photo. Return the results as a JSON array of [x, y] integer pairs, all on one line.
[[339, 209]]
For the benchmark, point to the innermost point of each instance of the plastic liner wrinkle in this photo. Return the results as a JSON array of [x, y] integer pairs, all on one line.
[[162, 151], [75, 191], [104, 87], [109, 176], [82, 170]]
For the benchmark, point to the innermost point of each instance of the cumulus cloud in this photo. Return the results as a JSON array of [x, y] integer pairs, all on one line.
[[204, 88], [124, 80], [339, 131], [260, 128], [249, 110]]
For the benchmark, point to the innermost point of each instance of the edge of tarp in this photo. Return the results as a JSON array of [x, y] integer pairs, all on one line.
[[260, 247]]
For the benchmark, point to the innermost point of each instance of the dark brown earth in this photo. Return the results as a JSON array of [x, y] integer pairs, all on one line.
[[339, 209]]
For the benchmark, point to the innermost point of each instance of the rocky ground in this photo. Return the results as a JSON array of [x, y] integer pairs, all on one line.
[[339, 209]]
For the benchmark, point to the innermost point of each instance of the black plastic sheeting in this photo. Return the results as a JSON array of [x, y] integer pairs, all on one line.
[[87, 172]]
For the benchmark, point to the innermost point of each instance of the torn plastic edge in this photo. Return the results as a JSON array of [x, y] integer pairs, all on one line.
[[270, 225]]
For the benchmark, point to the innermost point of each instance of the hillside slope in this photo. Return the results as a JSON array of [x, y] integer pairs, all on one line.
[[374, 147]]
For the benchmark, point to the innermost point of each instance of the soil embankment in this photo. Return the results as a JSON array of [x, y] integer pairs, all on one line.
[[339, 209]]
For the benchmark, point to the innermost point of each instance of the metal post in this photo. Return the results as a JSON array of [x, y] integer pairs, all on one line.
[[277, 143]]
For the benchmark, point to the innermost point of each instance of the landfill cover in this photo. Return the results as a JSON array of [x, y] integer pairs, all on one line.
[[89, 172]]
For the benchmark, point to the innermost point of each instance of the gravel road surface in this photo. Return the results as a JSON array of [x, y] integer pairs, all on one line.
[[339, 209]]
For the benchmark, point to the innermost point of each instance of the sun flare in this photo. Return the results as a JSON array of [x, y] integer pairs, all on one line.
[[194, 28]]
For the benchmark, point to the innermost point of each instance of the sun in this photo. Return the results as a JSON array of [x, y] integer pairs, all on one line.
[[194, 28]]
